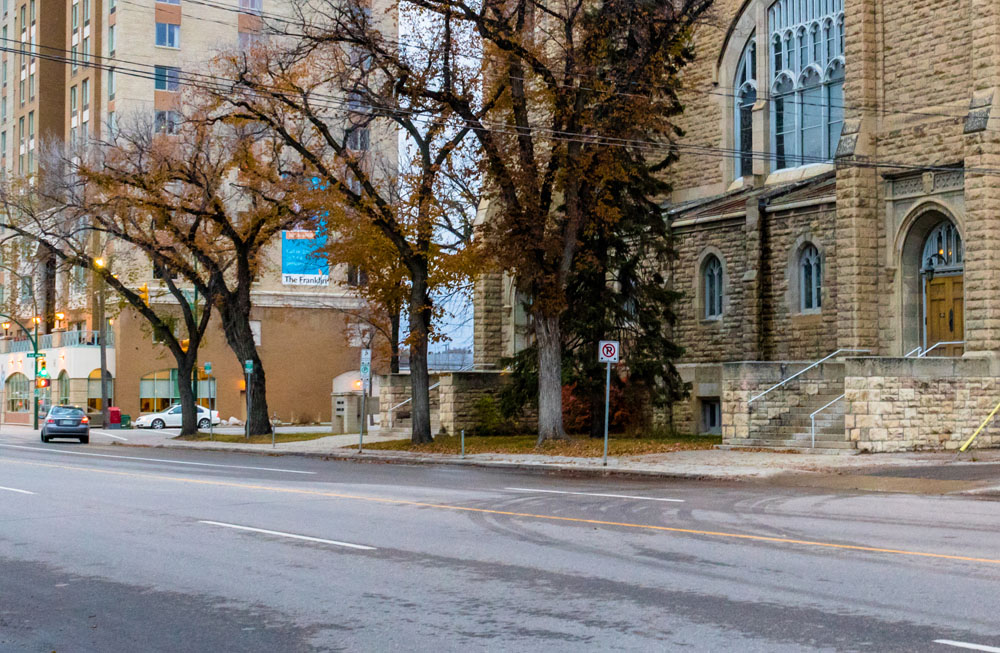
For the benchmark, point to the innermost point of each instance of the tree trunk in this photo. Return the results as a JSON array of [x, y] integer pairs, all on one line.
[[394, 341], [550, 423], [420, 314], [189, 410], [239, 336]]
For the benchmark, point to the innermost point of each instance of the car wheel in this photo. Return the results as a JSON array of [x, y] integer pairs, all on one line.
[[44, 439], [203, 424], [157, 424], [84, 439]]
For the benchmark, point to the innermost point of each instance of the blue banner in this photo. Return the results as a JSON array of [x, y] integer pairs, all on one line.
[[302, 264]]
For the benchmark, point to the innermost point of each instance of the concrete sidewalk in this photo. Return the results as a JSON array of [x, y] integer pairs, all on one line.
[[701, 464], [710, 464]]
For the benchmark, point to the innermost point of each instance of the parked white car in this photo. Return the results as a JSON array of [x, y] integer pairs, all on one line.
[[171, 417]]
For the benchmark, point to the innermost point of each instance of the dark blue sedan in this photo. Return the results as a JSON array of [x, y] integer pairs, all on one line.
[[66, 422]]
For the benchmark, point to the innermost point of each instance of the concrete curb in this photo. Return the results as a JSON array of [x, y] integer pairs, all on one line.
[[539, 468]]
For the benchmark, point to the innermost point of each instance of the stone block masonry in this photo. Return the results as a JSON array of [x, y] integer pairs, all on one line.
[[909, 404]]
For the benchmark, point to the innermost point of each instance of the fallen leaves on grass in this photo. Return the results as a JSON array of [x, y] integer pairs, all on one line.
[[577, 447]]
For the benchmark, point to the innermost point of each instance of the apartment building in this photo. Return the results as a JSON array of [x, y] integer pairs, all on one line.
[[71, 70]]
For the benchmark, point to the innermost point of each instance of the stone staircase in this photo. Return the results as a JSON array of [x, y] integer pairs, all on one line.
[[780, 421]]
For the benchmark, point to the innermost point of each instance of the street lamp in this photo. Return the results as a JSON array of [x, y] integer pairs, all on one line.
[[100, 264]]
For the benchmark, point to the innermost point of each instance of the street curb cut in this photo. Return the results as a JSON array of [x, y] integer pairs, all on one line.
[[539, 468]]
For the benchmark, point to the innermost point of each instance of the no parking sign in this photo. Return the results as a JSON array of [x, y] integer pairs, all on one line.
[[607, 351]]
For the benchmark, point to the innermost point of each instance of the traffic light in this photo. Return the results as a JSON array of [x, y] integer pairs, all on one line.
[[144, 294], [42, 379]]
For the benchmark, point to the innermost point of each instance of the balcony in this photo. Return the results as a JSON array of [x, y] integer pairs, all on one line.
[[56, 340]]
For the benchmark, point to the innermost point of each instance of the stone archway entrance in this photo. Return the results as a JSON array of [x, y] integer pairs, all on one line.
[[932, 263], [943, 271]]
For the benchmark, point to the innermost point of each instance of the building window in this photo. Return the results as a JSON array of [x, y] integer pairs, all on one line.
[[166, 122], [713, 288], [250, 40], [168, 35], [356, 277], [26, 291], [158, 391], [86, 51], [18, 394], [75, 13], [112, 124], [72, 101], [111, 40], [94, 390], [810, 280], [111, 84], [85, 93], [170, 2], [251, 6], [746, 95], [807, 64], [74, 55], [167, 78], [86, 12], [358, 139]]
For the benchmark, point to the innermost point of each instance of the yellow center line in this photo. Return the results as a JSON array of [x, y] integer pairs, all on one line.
[[508, 513]]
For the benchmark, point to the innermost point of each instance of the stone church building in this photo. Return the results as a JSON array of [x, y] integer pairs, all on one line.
[[837, 202]]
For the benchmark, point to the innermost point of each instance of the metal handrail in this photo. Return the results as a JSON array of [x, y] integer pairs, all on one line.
[[812, 418], [939, 344], [389, 412], [915, 351], [806, 369]]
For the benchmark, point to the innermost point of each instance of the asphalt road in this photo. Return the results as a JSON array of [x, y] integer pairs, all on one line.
[[120, 549]]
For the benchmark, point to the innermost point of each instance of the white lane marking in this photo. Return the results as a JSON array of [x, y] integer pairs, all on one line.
[[966, 645], [155, 460], [12, 489], [360, 547], [106, 434], [593, 494]]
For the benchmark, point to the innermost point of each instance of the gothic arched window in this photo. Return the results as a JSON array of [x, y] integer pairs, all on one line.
[[746, 95], [810, 280], [712, 284], [807, 77]]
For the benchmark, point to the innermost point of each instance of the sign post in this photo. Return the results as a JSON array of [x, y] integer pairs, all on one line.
[[211, 402], [366, 375], [607, 352], [248, 370]]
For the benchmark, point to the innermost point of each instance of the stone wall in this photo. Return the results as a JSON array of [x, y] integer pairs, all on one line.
[[787, 332], [460, 392], [906, 404], [395, 388], [717, 339], [742, 419]]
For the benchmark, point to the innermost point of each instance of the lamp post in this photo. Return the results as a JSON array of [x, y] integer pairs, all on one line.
[[100, 264]]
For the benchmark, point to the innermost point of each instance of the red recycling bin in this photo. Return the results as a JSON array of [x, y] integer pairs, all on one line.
[[114, 416]]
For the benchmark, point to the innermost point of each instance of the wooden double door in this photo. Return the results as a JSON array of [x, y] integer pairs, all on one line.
[[945, 314]]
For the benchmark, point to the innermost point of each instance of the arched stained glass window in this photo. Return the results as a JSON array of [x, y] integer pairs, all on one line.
[[807, 76], [943, 251], [810, 280], [745, 85], [712, 279]]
